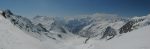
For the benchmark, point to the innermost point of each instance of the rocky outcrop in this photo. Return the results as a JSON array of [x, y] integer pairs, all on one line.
[[109, 33], [129, 26]]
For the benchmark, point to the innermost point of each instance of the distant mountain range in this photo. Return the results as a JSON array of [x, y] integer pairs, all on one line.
[[101, 26], [44, 32]]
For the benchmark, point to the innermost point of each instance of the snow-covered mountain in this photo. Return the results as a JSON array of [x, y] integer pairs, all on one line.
[[85, 32], [96, 25], [100, 23], [11, 37], [52, 25], [47, 22], [135, 23], [35, 30], [89, 26]]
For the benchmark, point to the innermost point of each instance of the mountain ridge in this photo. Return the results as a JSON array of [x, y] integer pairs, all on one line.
[[98, 34], [91, 26]]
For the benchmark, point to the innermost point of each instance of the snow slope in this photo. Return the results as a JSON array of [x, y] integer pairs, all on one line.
[[137, 39], [11, 37]]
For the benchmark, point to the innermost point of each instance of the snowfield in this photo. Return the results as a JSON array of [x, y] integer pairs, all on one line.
[[11, 37], [138, 39]]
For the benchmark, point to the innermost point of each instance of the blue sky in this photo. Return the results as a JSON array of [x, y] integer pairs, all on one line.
[[30, 8]]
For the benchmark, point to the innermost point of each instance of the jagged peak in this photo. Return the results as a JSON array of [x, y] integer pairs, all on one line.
[[6, 11]]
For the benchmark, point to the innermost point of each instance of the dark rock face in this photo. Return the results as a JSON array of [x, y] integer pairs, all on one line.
[[3, 14], [129, 25], [60, 36], [40, 28], [109, 33], [8, 12]]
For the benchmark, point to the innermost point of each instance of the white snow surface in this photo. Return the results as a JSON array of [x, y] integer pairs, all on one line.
[[138, 39], [12, 37]]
